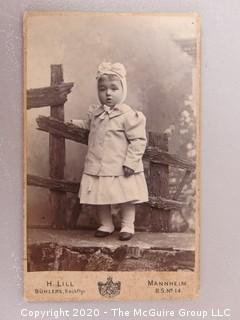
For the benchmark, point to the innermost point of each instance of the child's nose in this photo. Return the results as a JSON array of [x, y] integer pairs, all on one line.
[[108, 92]]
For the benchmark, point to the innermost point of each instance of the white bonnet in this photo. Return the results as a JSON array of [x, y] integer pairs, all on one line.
[[117, 69]]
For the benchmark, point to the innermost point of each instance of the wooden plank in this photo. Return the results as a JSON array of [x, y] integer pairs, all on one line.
[[57, 156], [74, 133], [73, 187], [48, 96], [160, 156], [159, 202], [53, 184], [182, 183], [63, 129]]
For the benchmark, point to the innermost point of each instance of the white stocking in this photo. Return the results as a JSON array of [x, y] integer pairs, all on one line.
[[128, 217], [105, 218]]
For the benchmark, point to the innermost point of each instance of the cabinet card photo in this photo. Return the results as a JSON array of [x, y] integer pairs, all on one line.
[[111, 161]]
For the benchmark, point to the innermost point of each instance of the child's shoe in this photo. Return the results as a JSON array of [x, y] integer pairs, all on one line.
[[124, 236], [102, 234]]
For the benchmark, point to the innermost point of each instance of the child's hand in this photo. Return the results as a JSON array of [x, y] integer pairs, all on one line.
[[127, 171]]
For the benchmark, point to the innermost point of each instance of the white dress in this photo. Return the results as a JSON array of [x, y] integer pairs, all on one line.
[[113, 190]]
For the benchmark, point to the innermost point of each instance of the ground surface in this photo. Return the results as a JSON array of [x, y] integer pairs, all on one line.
[[80, 238], [75, 250]]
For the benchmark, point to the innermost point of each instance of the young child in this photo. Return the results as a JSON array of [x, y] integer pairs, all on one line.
[[113, 169]]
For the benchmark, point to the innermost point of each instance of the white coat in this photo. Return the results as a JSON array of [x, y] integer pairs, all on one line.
[[117, 138]]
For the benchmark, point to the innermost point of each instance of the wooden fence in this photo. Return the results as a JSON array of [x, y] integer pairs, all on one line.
[[156, 154]]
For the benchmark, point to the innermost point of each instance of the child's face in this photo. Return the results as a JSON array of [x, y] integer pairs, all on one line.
[[110, 90]]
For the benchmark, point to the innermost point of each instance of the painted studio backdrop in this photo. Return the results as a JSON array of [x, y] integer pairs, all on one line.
[[159, 56]]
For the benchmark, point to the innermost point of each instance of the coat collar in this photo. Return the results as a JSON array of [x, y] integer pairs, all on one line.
[[118, 110]]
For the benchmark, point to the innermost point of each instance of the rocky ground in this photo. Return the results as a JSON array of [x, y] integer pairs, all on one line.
[[76, 250]]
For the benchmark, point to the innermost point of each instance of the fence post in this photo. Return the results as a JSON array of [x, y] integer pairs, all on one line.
[[57, 156], [159, 184]]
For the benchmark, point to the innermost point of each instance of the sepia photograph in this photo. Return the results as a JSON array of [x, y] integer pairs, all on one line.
[[111, 136]]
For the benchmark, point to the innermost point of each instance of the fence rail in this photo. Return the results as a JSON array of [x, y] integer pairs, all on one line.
[[48, 96], [73, 187], [74, 133]]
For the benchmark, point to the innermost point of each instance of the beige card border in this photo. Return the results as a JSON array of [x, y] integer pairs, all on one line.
[[134, 285]]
